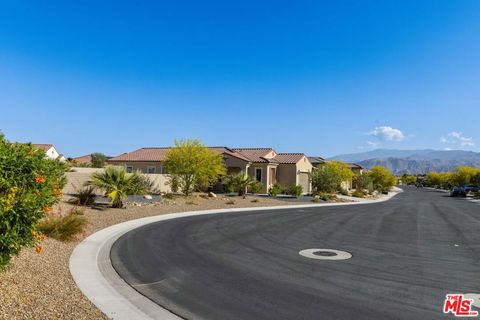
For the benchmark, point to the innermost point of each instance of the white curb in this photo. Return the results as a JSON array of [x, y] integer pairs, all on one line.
[[94, 274]]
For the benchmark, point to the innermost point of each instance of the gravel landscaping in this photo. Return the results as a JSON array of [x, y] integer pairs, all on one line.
[[39, 286]]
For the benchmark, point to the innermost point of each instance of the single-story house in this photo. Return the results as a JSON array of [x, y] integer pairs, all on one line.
[[50, 151], [263, 164]]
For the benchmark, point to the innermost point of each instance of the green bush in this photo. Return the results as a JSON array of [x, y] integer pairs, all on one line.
[[255, 187], [363, 182], [30, 184], [275, 190], [84, 197], [295, 190], [63, 227]]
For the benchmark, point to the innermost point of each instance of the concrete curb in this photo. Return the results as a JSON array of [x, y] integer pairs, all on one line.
[[95, 276]]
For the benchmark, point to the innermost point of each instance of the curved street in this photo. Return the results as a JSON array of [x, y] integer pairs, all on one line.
[[407, 254]]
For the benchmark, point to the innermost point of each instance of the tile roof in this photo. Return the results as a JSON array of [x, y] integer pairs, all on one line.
[[83, 159], [288, 158], [256, 154], [159, 154], [42, 146]]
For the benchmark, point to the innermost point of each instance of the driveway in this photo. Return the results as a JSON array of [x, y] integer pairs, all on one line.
[[407, 254]]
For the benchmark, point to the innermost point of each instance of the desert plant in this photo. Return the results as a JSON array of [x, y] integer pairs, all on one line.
[[195, 166], [255, 187], [30, 184], [363, 182], [63, 227], [230, 202], [329, 177], [98, 160], [118, 184], [275, 190], [254, 200], [358, 193], [382, 178], [85, 196], [239, 182], [343, 192], [295, 190], [169, 196]]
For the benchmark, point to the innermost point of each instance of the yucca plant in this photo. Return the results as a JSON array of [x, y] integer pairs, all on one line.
[[118, 184]]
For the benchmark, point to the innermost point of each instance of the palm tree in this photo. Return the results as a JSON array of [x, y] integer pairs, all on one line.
[[240, 182], [118, 184]]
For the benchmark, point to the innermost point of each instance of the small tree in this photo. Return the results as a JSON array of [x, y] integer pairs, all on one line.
[[98, 160], [195, 166], [382, 178], [30, 184], [363, 182], [118, 184], [330, 176]]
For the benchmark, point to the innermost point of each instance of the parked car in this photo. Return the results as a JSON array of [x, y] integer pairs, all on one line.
[[470, 188], [458, 192]]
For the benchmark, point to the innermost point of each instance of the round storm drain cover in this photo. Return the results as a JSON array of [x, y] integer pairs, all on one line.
[[325, 254]]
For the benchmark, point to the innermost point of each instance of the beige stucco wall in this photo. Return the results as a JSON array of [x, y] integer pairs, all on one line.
[[287, 174], [78, 179], [265, 174]]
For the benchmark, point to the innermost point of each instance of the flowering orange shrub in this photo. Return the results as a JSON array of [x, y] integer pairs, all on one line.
[[30, 185]]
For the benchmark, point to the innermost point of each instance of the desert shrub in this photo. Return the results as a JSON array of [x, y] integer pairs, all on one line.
[[63, 227], [255, 187], [363, 182], [343, 192], [275, 190], [358, 194], [382, 178], [173, 182], [169, 196], [316, 200], [30, 184], [230, 202], [98, 160], [330, 176], [255, 200], [118, 184], [295, 190], [84, 197]]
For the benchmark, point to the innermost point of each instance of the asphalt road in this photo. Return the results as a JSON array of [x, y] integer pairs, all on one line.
[[407, 252]]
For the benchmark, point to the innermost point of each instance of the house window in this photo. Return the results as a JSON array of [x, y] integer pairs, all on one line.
[[258, 174], [129, 169], [151, 169]]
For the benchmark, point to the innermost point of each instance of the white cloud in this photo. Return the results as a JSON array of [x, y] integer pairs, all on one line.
[[372, 144], [458, 139], [385, 133]]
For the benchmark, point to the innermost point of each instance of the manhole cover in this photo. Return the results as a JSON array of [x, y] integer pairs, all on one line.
[[325, 254]]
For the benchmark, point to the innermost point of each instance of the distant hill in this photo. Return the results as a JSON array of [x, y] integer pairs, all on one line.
[[414, 161]]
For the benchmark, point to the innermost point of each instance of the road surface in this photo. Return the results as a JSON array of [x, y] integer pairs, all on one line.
[[407, 254]]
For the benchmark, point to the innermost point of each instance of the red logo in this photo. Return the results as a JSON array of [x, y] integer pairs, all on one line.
[[459, 306]]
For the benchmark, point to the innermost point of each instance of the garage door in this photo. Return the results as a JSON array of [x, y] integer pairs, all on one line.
[[304, 181]]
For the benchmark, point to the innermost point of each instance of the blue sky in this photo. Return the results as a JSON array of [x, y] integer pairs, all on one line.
[[320, 77]]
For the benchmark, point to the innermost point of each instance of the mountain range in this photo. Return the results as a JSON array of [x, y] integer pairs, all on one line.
[[413, 161]]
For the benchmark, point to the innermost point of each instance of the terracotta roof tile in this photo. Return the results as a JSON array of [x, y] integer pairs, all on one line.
[[160, 154], [256, 154], [289, 158]]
